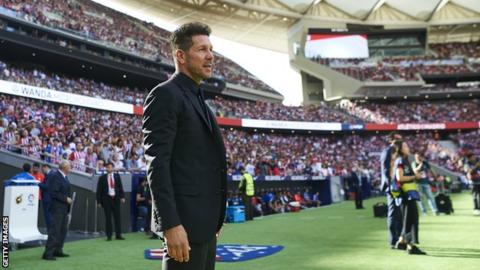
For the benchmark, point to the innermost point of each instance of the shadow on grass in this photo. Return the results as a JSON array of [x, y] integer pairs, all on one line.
[[469, 253]]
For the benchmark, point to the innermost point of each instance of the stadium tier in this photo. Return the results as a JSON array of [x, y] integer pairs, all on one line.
[[415, 111], [90, 138], [346, 112], [441, 59], [99, 23], [407, 68]]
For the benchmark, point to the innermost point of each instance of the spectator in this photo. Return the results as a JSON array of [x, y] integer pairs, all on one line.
[[26, 174], [144, 204]]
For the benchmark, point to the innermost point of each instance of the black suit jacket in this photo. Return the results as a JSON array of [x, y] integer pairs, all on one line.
[[102, 189], [186, 161], [385, 159], [58, 190], [354, 180]]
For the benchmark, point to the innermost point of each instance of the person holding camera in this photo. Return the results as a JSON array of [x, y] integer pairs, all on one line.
[[423, 167], [473, 176], [406, 177]]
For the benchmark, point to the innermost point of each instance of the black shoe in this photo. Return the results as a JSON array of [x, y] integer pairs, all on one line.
[[416, 251], [49, 258], [119, 238], [109, 238], [401, 246], [63, 255], [154, 236]]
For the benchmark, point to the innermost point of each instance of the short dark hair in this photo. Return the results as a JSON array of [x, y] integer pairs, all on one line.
[[109, 163], [36, 165], [392, 135], [182, 37], [26, 167], [398, 147]]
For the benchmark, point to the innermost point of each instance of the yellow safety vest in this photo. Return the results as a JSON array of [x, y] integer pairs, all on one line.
[[249, 188], [409, 186]]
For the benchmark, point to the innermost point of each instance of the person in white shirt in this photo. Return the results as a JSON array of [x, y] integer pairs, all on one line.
[[109, 195]]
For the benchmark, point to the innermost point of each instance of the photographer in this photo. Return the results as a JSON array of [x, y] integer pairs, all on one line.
[[473, 175], [407, 177], [423, 167]]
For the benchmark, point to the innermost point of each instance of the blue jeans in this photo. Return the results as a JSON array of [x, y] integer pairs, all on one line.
[[426, 193], [142, 211], [394, 220]]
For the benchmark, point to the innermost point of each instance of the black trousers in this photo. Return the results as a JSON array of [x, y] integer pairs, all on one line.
[[410, 221], [47, 214], [148, 218], [476, 197], [247, 201], [57, 232], [111, 207], [202, 257], [394, 220], [358, 198]]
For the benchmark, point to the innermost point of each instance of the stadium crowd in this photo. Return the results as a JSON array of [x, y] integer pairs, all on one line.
[[415, 111], [467, 49], [50, 131], [82, 86], [307, 155], [345, 112], [90, 138], [276, 111], [94, 21], [447, 58], [398, 68], [278, 200]]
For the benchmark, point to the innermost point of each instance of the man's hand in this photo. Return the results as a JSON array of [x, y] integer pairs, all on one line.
[[178, 247], [122, 200], [69, 200], [99, 205]]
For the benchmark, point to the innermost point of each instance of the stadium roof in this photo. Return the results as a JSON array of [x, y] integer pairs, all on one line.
[[265, 23]]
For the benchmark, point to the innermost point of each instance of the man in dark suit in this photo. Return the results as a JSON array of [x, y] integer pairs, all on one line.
[[356, 186], [394, 215], [109, 195], [59, 191], [186, 156], [45, 196]]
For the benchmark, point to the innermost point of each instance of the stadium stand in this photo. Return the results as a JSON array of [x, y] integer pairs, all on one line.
[[31, 75], [49, 131], [415, 111], [275, 111], [94, 21], [349, 112], [445, 58], [398, 68]]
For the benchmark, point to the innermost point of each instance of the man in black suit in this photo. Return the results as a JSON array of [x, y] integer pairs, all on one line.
[[109, 195], [394, 215], [186, 156], [356, 185], [59, 191]]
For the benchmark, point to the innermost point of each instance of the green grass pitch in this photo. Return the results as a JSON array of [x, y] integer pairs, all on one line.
[[334, 237]]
